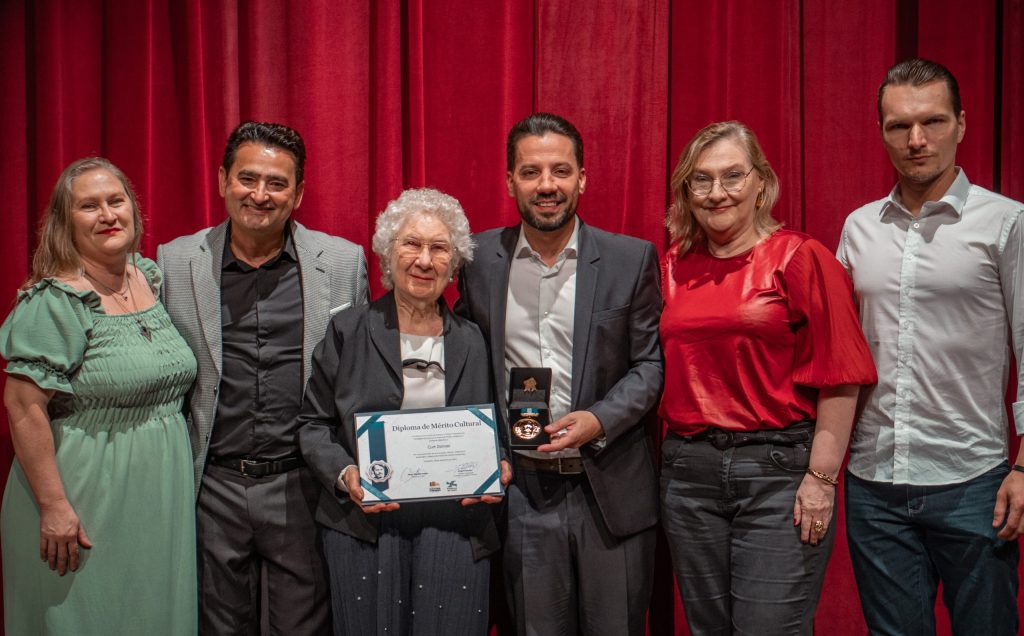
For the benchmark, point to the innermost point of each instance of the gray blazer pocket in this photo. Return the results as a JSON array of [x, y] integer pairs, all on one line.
[[341, 307]]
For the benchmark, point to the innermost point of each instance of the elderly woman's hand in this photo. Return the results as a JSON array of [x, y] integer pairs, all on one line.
[[815, 502], [506, 477], [355, 493], [60, 535]]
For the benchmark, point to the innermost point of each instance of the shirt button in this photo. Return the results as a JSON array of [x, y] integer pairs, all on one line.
[[917, 225]]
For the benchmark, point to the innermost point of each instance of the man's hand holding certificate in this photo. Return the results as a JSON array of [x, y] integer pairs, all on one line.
[[422, 454]]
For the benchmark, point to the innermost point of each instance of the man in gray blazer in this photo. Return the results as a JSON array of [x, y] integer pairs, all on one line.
[[252, 297], [553, 292]]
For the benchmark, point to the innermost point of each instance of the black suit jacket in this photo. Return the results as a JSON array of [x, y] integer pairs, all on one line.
[[617, 366], [357, 367]]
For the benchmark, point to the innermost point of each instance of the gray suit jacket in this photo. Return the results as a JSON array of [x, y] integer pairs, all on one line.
[[358, 367], [617, 365], [333, 273]]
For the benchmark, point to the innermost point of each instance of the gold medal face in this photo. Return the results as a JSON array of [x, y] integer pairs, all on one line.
[[526, 428]]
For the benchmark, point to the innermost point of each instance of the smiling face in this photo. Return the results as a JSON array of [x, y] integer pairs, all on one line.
[[102, 216], [921, 132], [259, 190], [421, 259], [546, 181], [727, 218]]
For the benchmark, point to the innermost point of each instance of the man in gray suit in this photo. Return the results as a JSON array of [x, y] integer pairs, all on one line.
[[553, 292], [252, 297]]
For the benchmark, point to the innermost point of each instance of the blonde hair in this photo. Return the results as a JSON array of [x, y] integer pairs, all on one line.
[[682, 226], [57, 254]]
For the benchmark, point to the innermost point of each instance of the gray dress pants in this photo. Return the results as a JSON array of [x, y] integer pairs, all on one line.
[[565, 573], [247, 524]]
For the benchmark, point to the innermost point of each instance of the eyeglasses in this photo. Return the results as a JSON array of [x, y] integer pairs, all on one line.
[[732, 181], [440, 252]]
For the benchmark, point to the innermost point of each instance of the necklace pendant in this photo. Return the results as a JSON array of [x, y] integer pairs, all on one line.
[[146, 333]]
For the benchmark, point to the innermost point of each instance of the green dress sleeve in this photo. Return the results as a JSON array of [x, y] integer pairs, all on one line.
[[152, 273], [45, 337]]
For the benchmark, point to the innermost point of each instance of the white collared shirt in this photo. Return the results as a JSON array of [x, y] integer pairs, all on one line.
[[539, 312], [422, 388], [941, 303]]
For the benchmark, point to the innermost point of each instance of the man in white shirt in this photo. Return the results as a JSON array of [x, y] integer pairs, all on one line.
[[938, 269], [554, 292]]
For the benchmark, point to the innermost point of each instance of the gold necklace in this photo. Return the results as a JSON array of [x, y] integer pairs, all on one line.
[[134, 312], [124, 283]]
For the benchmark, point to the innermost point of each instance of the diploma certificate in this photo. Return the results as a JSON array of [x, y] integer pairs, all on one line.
[[424, 454]]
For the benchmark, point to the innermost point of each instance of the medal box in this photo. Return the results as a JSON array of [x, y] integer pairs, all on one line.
[[528, 411]]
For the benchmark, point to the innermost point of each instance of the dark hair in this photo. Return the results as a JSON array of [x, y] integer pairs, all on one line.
[[267, 134], [918, 72], [540, 124], [57, 254]]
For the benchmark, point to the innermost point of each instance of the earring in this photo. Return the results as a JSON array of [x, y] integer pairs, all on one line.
[[759, 201]]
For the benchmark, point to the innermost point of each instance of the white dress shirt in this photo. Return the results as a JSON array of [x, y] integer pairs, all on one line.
[[539, 312], [941, 303]]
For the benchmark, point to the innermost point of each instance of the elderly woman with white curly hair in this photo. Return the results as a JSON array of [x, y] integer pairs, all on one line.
[[420, 568]]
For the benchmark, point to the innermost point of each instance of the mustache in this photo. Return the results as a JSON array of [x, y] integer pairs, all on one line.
[[547, 198]]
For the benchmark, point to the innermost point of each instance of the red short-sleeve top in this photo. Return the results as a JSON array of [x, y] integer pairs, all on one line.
[[750, 339]]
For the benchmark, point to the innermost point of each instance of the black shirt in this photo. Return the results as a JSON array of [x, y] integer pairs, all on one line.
[[261, 330]]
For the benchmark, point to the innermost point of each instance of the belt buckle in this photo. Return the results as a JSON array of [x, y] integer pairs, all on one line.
[[565, 461], [242, 463], [722, 440]]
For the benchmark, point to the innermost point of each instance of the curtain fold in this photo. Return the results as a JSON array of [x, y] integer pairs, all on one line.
[[390, 94]]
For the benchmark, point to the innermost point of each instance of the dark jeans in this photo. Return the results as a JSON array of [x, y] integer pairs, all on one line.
[[738, 559], [905, 539]]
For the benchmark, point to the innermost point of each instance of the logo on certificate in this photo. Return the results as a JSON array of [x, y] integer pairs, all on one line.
[[378, 471]]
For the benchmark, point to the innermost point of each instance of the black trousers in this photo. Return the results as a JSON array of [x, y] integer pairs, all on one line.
[[246, 524]]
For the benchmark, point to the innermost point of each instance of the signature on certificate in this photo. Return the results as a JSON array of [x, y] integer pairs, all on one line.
[[412, 473]]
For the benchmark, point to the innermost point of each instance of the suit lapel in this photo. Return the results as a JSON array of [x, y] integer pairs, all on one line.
[[499, 299], [586, 284], [455, 353], [384, 333], [205, 267], [316, 294]]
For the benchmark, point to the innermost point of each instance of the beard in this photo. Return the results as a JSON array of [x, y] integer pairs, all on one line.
[[546, 224]]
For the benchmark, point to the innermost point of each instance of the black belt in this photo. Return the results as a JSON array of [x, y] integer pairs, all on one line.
[[560, 465], [256, 467], [720, 438]]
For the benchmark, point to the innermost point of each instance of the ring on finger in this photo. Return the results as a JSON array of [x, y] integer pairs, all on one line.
[[819, 526]]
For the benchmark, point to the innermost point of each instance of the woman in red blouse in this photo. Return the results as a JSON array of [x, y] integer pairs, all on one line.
[[764, 359]]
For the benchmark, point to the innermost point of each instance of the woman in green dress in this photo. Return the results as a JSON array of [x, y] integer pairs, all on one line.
[[98, 523]]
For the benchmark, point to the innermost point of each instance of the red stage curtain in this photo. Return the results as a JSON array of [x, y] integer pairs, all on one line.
[[400, 93]]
